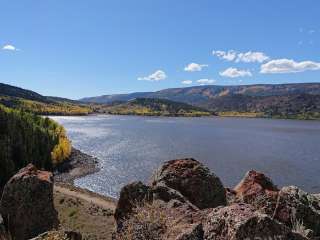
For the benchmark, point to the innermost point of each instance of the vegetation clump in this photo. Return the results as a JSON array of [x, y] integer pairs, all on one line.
[[27, 138]]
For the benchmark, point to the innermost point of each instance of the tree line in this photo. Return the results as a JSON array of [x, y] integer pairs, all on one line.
[[27, 138]]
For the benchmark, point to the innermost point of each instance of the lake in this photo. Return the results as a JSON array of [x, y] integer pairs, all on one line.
[[130, 148]]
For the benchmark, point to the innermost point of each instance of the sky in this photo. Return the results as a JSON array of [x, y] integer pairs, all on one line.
[[81, 48]]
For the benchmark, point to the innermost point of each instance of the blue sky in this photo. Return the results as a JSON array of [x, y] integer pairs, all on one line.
[[79, 48]]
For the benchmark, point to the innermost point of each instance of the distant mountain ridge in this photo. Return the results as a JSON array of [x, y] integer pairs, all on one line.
[[199, 94], [297, 100]]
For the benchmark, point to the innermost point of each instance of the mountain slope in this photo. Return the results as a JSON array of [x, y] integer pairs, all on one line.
[[262, 100], [18, 98], [200, 94], [155, 107]]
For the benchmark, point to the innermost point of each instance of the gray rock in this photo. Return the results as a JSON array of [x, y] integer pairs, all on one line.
[[241, 221], [296, 205]]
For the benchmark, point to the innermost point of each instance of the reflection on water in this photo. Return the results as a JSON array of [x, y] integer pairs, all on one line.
[[130, 148]]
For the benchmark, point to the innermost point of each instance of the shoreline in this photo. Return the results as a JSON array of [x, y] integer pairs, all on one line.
[[78, 165]]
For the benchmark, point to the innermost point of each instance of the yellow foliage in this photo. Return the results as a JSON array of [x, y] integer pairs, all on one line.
[[63, 148]]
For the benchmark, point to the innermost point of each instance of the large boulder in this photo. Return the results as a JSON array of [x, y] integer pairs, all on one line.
[[27, 203], [296, 207], [258, 190], [193, 180], [241, 221], [136, 195]]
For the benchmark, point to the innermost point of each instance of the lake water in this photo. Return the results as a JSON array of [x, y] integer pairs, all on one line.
[[130, 148]]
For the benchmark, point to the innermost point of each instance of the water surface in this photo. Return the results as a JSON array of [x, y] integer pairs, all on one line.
[[130, 148]]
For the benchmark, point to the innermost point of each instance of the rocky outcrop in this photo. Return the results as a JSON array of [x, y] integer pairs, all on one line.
[[241, 221], [258, 190], [295, 206], [193, 180], [27, 203], [186, 202]]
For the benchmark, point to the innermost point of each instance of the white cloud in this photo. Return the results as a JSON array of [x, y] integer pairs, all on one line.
[[234, 73], [228, 56], [246, 57], [154, 77], [9, 47], [187, 82], [288, 66], [252, 57], [195, 67], [205, 81]]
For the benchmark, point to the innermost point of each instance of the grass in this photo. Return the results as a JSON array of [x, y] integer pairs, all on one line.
[[148, 222], [298, 227]]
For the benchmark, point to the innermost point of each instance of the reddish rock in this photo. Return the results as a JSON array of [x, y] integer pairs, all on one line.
[[27, 203], [193, 180], [255, 184], [258, 190], [241, 221]]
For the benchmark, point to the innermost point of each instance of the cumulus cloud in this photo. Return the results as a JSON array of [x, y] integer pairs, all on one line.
[[234, 73], [247, 57], [206, 81], [252, 57], [228, 56], [194, 67], [288, 66], [187, 82], [158, 75], [9, 47]]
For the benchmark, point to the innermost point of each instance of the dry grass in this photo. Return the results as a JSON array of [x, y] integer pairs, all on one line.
[[298, 227], [148, 222]]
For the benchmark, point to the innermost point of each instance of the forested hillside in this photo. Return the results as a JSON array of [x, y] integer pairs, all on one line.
[[155, 107], [297, 101], [27, 138]]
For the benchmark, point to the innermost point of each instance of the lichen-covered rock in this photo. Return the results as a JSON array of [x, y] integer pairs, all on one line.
[[295, 205], [241, 221], [27, 203], [194, 232], [193, 180]]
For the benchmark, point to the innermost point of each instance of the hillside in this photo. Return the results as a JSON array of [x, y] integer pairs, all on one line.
[[263, 100], [155, 107], [18, 98]]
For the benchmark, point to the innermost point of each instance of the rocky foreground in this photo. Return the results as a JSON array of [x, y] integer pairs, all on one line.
[[183, 201]]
